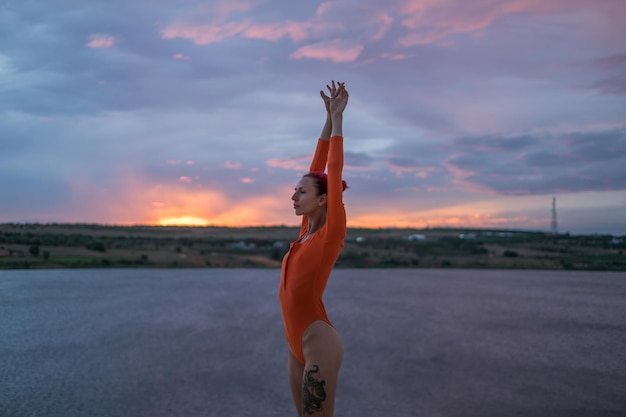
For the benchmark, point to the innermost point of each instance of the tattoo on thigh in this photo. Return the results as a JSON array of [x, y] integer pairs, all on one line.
[[313, 393]]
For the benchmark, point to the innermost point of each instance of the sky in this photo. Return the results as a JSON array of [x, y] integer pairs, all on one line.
[[462, 114]]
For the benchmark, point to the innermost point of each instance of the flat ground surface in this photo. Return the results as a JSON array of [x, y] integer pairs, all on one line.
[[209, 342]]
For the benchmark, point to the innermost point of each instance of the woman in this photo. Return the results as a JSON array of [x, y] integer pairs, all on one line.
[[315, 350]]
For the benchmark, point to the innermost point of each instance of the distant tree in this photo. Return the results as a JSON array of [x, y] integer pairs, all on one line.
[[97, 246], [46, 255], [277, 254], [34, 250]]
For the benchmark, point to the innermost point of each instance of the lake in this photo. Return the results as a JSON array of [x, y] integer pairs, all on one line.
[[209, 342]]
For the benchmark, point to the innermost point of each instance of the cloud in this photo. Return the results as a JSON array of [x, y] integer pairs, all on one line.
[[296, 31], [101, 41], [335, 50], [565, 163], [436, 21], [204, 34], [232, 165], [401, 166], [300, 163]]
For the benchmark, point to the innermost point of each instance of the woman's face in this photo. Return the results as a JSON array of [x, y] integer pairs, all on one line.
[[305, 198]]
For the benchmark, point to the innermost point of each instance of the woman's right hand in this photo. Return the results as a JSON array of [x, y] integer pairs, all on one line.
[[333, 92], [338, 98]]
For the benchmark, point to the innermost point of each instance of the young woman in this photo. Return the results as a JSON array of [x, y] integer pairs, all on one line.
[[315, 350]]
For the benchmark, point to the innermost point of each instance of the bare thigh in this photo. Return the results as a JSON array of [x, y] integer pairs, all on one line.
[[323, 354], [296, 370]]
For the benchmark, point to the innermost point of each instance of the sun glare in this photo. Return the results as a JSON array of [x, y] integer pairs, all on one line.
[[184, 221]]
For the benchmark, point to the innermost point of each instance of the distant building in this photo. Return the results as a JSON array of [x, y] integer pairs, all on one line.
[[280, 244], [243, 245], [417, 236], [467, 236]]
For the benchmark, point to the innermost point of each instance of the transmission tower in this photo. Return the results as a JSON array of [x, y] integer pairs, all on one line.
[[554, 228]]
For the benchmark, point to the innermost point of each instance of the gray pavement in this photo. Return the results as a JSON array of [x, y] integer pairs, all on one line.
[[209, 342]]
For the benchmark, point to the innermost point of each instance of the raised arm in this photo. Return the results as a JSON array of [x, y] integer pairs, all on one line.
[[327, 129], [336, 215], [334, 103]]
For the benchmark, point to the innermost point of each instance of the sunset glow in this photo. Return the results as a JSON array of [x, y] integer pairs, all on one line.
[[184, 221]]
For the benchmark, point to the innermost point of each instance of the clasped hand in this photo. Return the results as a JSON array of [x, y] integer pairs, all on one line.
[[338, 99]]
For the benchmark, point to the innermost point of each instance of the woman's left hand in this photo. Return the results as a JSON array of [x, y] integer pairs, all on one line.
[[326, 101]]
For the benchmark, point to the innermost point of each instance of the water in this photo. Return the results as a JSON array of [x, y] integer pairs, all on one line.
[[209, 342]]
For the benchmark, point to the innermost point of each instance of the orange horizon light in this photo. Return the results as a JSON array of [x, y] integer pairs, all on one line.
[[184, 221]]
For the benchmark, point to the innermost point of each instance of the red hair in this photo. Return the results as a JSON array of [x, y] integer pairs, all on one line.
[[321, 181]]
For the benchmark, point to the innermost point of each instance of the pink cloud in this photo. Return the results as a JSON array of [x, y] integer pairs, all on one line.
[[101, 41], [298, 164], [335, 50], [385, 22], [463, 179], [213, 33], [394, 57], [297, 31], [232, 165], [416, 171], [182, 57], [185, 179], [204, 34], [434, 21], [223, 26]]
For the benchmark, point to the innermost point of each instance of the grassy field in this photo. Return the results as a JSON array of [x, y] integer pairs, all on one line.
[[100, 246]]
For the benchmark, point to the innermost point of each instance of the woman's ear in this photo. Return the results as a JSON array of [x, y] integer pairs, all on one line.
[[321, 200]]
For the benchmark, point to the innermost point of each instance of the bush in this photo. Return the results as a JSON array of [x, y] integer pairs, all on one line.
[[96, 246]]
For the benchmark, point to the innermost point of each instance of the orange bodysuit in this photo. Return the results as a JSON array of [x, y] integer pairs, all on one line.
[[307, 265]]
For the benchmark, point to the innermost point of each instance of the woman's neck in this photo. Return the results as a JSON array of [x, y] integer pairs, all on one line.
[[316, 221]]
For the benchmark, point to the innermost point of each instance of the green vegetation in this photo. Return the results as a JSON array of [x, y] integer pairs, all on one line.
[[101, 246]]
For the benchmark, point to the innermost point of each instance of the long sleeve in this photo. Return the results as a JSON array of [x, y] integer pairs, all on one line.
[[321, 154], [336, 214], [317, 164]]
